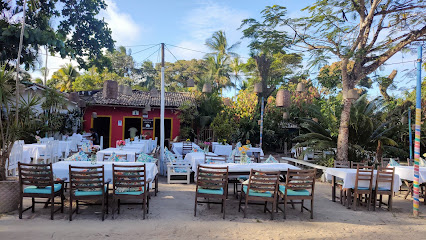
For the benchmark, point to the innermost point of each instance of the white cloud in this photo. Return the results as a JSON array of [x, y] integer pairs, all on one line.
[[125, 31], [201, 22]]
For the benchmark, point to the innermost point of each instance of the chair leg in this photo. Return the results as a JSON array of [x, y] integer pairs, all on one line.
[[103, 208], [354, 204], [312, 208], [369, 201], [245, 208], [264, 208], [195, 206], [32, 204], [284, 207], [301, 208], [390, 202], [380, 200], [144, 206], [52, 208], [21, 207], [223, 207], [62, 201], [241, 198], [118, 206]]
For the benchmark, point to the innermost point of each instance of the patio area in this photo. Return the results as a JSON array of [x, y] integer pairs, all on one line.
[[171, 217]]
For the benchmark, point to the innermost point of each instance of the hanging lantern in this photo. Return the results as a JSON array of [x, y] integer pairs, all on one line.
[[207, 88], [190, 83], [300, 87], [259, 122], [227, 102], [352, 94], [94, 115], [283, 98], [153, 92], [258, 88], [315, 119], [286, 115]]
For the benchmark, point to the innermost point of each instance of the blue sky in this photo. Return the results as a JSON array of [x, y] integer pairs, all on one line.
[[188, 23]]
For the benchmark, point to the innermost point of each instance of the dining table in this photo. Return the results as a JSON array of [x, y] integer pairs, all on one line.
[[177, 147], [61, 169], [406, 173], [130, 153], [244, 169], [196, 158], [223, 150], [36, 150], [348, 175]]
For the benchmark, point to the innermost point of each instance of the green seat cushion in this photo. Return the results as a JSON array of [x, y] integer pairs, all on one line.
[[363, 188], [46, 190], [384, 189], [130, 193], [295, 193], [89, 193], [257, 194], [211, 191]]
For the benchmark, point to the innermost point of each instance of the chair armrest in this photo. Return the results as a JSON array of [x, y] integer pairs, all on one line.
[[61, 181], [108, 180]]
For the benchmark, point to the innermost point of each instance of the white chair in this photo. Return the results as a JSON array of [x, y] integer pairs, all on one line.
[[56, 151], [177, 167], [14, 157], [48, 155]]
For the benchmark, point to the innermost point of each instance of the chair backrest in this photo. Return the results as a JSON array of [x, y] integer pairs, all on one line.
[[186, 147], [39, 175], [263, 181], [210, 177], [384, 178], [410, 162], [356, 164], [364, 176], [298, 179], [299, 152], [87, 178], [341, 164], [215, 159], [131, 178], [237, 159], [385, 161]]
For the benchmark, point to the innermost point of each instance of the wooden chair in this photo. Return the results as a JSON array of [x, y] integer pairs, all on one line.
[[356, 164], [39, 182], [339, 184], [212, 182], [364, 174], [262, 187], [130, 182], [215, 159], [300, 185], [186, 148], [384, 186], [88, 183]]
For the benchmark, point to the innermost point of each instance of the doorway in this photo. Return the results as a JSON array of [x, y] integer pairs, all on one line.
[[102, 125], [132, 122], [167, 128]]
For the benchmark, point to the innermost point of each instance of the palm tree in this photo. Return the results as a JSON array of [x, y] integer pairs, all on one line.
[[218, 43], [64, 77], [236, 67]]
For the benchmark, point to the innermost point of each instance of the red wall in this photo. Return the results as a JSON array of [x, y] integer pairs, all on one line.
[[118, 113]]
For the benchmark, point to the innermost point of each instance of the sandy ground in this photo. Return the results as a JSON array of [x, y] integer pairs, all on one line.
[[171, 217]]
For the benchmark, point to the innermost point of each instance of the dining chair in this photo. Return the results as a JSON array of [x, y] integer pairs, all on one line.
[[186, 148], [300, 185], [261, 187], [36, 181], [385, 161], [356, 164], [48, 154], [214, 159], [363, 185], [212, 182], [339, 183], [88, 183], [384, 186], [130, 183]]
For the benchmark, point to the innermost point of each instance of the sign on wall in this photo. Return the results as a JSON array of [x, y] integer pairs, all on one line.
[[135, 112], [148, 124]]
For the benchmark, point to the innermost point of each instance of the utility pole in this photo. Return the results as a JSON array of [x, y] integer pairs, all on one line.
[[18, 62], [45, 69], [162, 113], [417, 133]]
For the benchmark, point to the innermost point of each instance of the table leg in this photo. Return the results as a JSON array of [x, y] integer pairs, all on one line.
[[410, 188], [333, 189]]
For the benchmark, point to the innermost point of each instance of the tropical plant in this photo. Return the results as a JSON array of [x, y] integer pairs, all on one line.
[[64, 78]]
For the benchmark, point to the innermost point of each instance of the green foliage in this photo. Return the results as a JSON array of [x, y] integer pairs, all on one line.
[[80, 34], [224, 124], [64, 78], [188, 115]]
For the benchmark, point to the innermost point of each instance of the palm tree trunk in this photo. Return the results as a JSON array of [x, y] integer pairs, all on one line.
[[343, 138], [379, 152]]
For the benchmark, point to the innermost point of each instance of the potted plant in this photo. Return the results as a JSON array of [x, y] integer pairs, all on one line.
[[9, 188]]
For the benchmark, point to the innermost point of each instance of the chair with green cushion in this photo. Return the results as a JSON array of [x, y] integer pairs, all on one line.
[[363, 186], [384, 186], [339, 183], [88, 184], [260, 188], [130, 183], [36, 181], [300, 185], [212, 182]]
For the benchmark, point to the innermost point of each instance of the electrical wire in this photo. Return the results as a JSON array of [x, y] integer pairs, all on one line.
[[143, 50]]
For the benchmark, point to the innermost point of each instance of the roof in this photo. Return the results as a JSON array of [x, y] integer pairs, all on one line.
[[139, 99]]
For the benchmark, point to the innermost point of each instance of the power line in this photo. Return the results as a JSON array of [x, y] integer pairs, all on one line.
[[141, 45], [143, 50], [171, 53], [151, 54]]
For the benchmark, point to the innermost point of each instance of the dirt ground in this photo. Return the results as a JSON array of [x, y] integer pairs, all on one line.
[[171, 217]]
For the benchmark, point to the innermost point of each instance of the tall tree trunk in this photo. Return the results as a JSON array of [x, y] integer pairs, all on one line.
[[343, 138], [379, 152]]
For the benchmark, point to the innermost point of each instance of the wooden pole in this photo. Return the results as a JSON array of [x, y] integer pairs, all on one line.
[[163, 170], [18, 62]]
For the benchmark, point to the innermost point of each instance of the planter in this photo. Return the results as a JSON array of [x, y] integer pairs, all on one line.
[[9, 196]]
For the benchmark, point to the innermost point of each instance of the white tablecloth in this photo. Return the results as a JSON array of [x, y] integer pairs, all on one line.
[[349, 177], [178, 146], [255, 150], [61, 169], [129, 152], [65, 146], [196, 158], [222, 149], [407, 173], [235, 167], [35, 150], [139, 147]]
